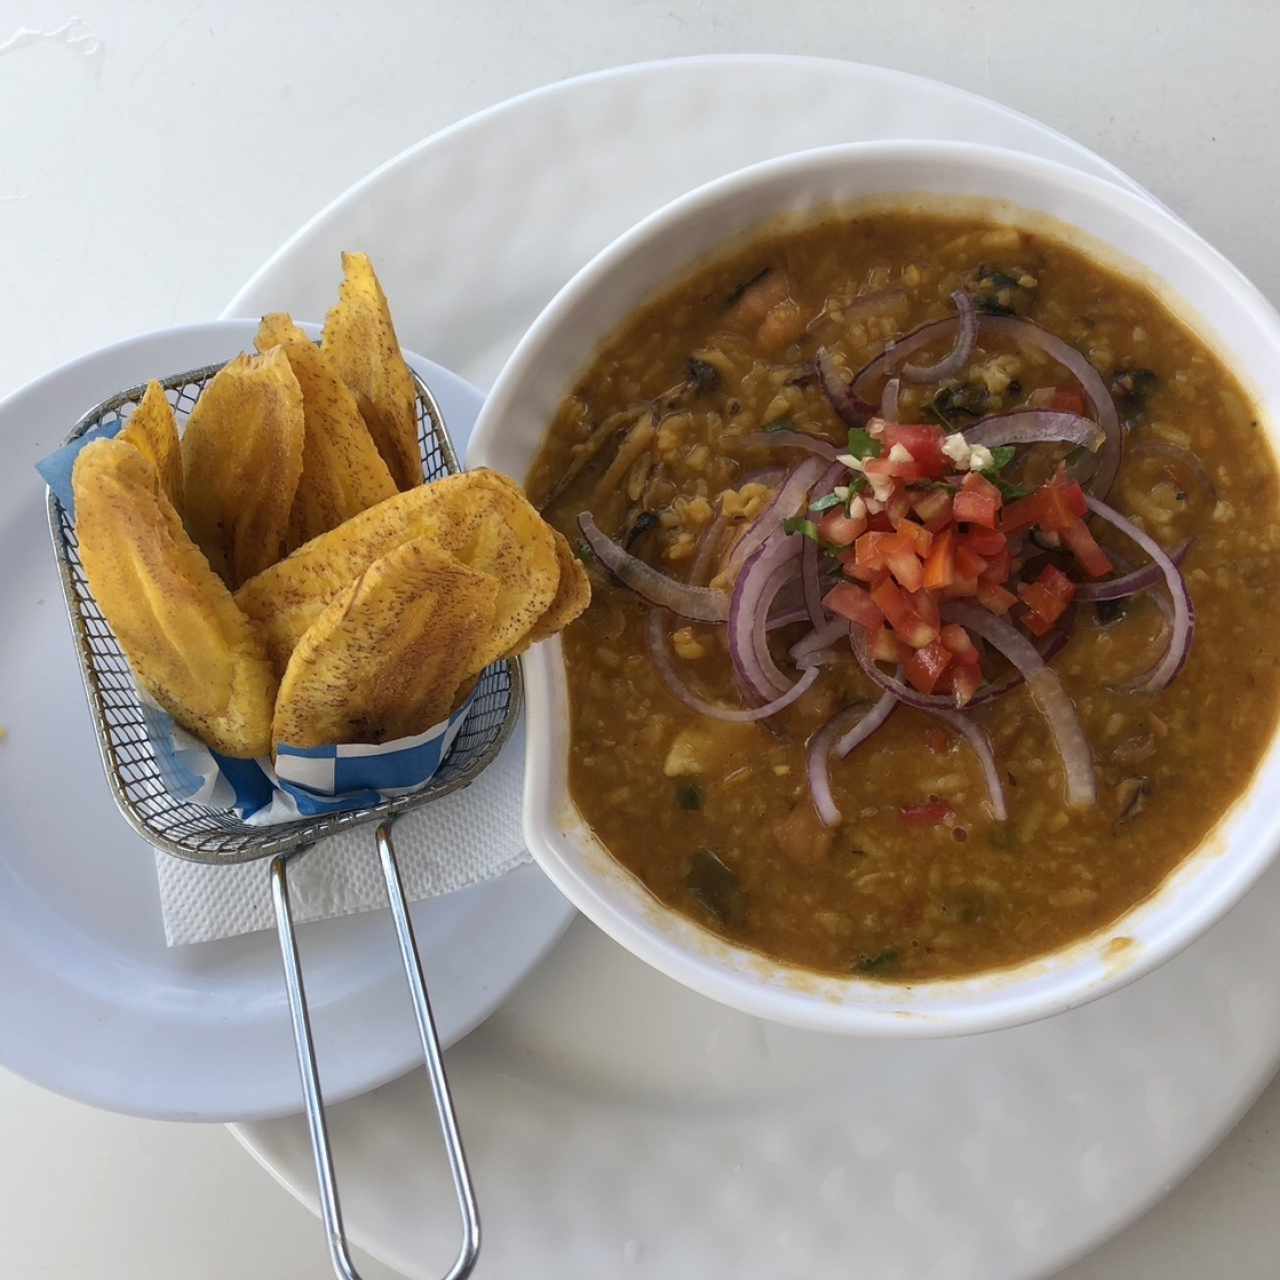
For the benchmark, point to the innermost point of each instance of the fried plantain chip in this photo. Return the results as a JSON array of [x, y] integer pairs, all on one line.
[[479, 517], [153, 431], [386, 657], [571, 598], [277, 329], [360, 339], [189, 645], [241, 459], [342, 471]]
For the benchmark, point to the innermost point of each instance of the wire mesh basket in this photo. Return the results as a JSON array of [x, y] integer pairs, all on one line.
[[197, 832]]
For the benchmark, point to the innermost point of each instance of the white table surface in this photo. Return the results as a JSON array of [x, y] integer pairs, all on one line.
[[147, 170]]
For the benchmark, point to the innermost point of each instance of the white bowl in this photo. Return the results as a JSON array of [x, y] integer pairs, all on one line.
[[1111, 225]]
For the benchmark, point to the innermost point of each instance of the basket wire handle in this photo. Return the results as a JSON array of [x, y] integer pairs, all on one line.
[[330, 1206]]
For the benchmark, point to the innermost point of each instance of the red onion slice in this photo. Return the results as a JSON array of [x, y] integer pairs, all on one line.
[[1026, 333], [809, 581], [1091, 383], [844, 727], [850, 407], [1184, 621], [699, 603], [865, 727], [889, 400], [705, 553], [1046, 690], [663, 661], [959, 356], [1036, 426], [819, 638], [759, 581], [977, 738], [789, 499], [787, 439], [1130, 584], [787, 619]]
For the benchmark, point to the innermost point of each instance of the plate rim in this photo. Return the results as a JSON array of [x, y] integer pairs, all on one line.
[[244, 1132]]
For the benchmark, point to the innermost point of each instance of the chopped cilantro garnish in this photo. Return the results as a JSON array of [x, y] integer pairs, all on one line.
[[1001, 456], [862, 444], [857, 483], [585, 553], [826, 503], [806, 528], [778, 424]]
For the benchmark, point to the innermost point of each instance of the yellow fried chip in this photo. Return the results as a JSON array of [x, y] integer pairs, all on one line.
[[153, 431], [342, 471], [572, 596], [360, 339], [277, 329], [241, 459], [479, 517], [188, 643], [386, 658]]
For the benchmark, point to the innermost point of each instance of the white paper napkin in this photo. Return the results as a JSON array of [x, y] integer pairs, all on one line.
[[463, 839]]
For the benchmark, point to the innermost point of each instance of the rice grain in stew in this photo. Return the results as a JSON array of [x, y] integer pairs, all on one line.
[[916, 878]]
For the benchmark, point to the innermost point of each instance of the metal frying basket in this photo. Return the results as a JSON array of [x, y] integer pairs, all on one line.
[[201, 834]]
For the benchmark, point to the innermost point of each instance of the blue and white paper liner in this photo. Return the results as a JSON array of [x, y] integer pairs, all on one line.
[[305, 782]]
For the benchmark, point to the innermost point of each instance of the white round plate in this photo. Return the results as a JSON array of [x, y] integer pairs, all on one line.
[[93, 1004], [618, 1123]]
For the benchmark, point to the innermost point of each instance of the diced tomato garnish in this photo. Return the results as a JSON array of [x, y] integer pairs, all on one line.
[[956, 639], [998, 567], [915, 536], [961, 588], [936, 739], [1054, 506], [878, 468], [925, 667], [996, 598], [852, 602], [1047, 598], [927, 815], [840, 529], [977, 502], [870, 549], [906, 567], [940, 568], [923, 442], [969, 565], [900, 611], [1092, 558], [925, 604], [985, 542], [897, 507], [886, 647], [933, 506]]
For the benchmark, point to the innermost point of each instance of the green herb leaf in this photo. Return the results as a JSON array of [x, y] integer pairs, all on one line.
[[1001, 456], [826, 503], [689, 796], [1009, 491], [585, 553], [862, 444], [806, 528], [858, 483], [778, 424]]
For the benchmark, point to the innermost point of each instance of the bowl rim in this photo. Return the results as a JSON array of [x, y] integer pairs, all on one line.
[[1005, 1005]]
